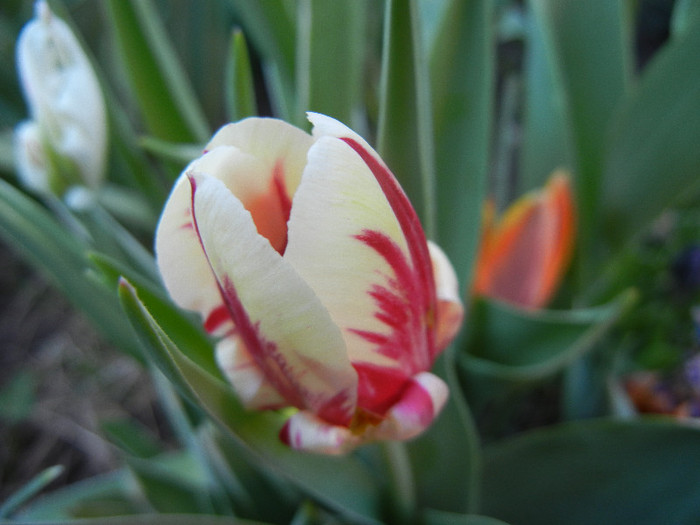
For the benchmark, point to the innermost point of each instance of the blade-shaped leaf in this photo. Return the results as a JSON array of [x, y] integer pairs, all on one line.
[[434, 517], [239, 86], [405, 132], [653, 159], [353, 493], [29, 490], [511, 343], [271, 29], [331, 41], [590, 43], [447, 458], [61, 255], [165, 97], [462, 75], [171, 484], [639, 472], [103, 495], [546, 144]]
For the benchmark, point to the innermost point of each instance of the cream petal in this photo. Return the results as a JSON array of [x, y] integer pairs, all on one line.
[[305, 431], [450, 311], [248, 380], [281, 321], [347, 244], [418, 407], [271, 141]]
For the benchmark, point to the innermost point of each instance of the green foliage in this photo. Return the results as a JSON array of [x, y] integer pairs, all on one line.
[[426, 82], [603, 471]]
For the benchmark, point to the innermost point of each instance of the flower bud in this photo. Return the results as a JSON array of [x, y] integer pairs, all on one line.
[[65, 141]]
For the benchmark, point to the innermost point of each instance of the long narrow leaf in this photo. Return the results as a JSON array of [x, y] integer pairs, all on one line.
[[546, 142], [405, 134], [353, 493], [596, 472], [509, 343], [59, 255], [591, 46], [239, 86], [271, 29], [331, 41], [462, 74], [158, 82], [653, 159]]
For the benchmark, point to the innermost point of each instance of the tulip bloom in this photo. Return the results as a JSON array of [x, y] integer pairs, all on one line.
[[523, 258], [66, 140], [305, 256]]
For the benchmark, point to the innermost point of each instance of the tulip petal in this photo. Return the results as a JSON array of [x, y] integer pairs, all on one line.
[[354, 238], [418, 407], [272, 142], [263, 177], [450, 311], [304, 431], [524, 257], [253, 389], [284, 327]]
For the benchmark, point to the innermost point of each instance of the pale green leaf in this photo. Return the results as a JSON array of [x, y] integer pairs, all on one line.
[[643, 472], [405, 131], [353, 493], [239, 85], [462, 85]]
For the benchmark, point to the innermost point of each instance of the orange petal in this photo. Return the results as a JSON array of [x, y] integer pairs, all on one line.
[[523, 258]]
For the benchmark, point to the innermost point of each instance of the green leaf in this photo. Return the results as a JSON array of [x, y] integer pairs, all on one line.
[[353, 493], [61, 255], [590, 44], [29, 490], [239, 86], [636, 473], [166, 99], [653, 159], [405, 131], [512, 343], [132, 437], [17, 396], [167, 519], [546, 142], [446, 459], [435, 517], [462, 74], [108, 494], [331, 41], [270, 27], [686, 13], [171, 484]]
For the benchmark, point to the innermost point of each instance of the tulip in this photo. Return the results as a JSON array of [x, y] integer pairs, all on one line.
[[65, 142], [303, 254], [522, 259]]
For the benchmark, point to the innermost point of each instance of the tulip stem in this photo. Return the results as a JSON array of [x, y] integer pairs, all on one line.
[[401, 483]]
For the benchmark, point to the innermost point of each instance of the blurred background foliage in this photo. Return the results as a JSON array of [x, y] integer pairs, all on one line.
[[464, 99]]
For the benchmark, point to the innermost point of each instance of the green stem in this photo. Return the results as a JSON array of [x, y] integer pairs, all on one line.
[[402, 489]]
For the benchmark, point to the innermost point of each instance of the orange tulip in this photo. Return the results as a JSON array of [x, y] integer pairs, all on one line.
[[524, 256]]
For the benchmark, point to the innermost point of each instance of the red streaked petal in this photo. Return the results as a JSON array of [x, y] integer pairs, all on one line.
[[304, 431], [418, 407], [283, 326], [450, 312], [347, 244], [248, 380], [272, 142]]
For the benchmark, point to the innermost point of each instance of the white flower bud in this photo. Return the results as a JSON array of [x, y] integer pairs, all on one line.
[[66, 106]]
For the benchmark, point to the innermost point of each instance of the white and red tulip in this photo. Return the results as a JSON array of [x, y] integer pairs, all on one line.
[[305, 256]]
